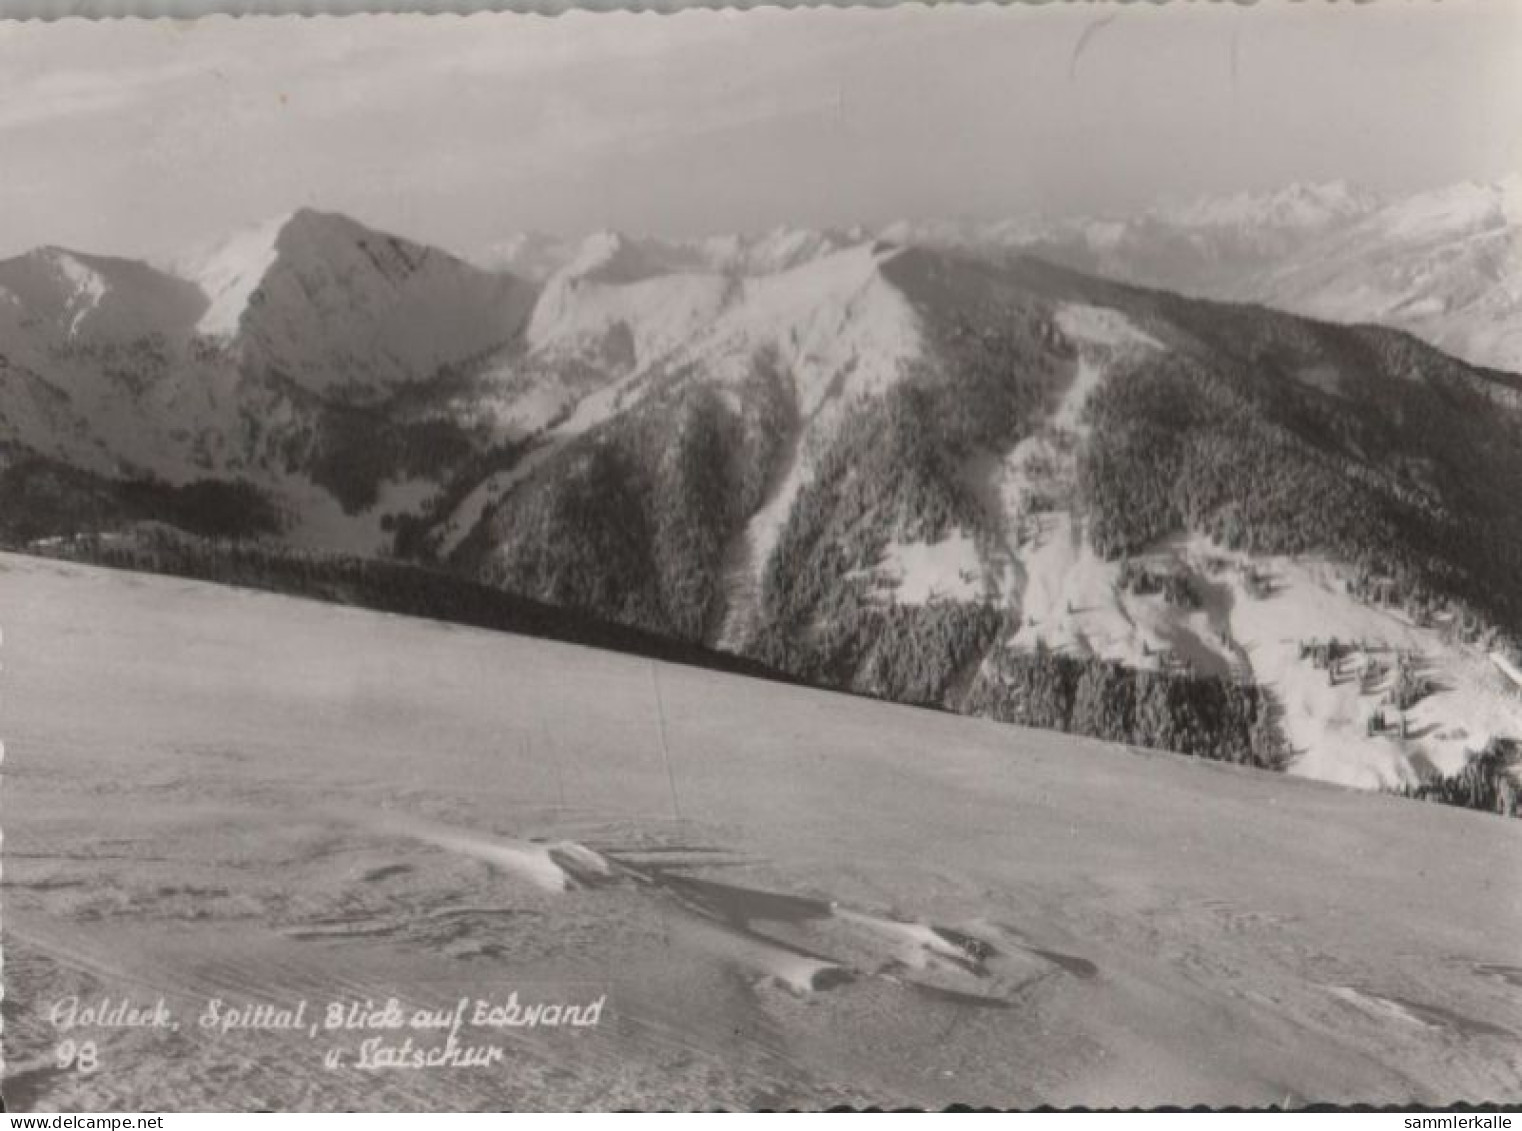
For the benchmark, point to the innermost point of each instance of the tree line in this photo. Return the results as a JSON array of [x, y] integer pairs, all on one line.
[[1488, 782], [1206, 716]]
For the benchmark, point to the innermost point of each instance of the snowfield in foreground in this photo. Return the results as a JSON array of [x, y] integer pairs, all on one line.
[[809, 899]]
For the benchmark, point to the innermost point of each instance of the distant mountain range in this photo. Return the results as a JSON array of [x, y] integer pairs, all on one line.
[[923, 464], [1443, 264]]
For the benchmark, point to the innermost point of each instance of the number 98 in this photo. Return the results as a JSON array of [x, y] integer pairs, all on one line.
[[80, 1055]]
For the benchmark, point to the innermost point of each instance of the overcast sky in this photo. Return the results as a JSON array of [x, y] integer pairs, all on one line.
[[144, 137]]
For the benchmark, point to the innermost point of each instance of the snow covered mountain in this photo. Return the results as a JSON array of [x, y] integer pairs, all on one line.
[[617, 256], [97, 360], [882, 465], [52, 297], [1297, 207], [1204, 246], [1443, 264], [305, 356], [337, 307], [895, 467]]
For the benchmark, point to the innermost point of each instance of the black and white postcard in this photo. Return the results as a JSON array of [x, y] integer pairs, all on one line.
[[769, 559]]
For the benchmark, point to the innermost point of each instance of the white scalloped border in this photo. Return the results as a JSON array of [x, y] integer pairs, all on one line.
[[51, 10]]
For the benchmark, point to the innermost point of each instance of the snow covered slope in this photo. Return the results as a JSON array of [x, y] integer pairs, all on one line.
[[1257, 618], [782, 897], [833, 327], [1253, 618]]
